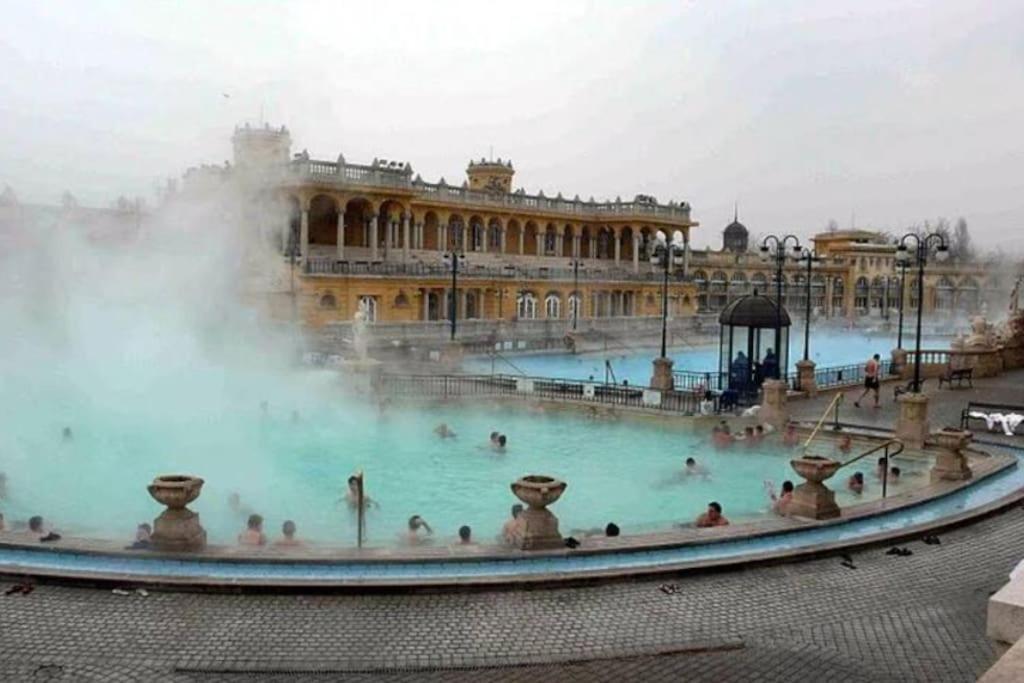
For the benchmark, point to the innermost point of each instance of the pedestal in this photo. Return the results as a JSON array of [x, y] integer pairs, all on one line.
[[540, 530], [813, 500], [363, 375], [912, 422], [805, 377], [178, 531], [899, 361], [774, 410], [662, 379], [951, 462], [451, 355]]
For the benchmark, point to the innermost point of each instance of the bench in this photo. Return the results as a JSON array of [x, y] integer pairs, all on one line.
[[959, 376], [904, 389], [989, 408]]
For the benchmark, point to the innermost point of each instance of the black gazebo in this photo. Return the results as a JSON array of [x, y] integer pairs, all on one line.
[[746, 353]]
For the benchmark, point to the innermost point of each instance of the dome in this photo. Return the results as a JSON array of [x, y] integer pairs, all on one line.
[[753, 310], [736, 229], [735, 237]]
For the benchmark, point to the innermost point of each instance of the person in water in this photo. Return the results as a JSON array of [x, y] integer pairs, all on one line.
[[856, 483], [782, 501], [443, 431], [288, 539], [512, 531], [66, 434], [499, 444], [3, 485], [790, 437], [713, 516], [845, 443], [143, 537], [693, 469], [352, 495], [465, 535], [253, 535], [412, 535]]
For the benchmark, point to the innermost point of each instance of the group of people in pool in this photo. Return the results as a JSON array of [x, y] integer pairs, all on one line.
[[497, 441]]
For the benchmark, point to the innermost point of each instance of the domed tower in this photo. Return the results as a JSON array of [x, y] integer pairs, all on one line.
[[490, 176], [736, 237], [257, 148]]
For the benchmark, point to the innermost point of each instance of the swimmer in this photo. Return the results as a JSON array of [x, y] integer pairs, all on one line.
[[894, 475], [845, 443], [444, 432], [611, 530], [412, 536], [512, 531], [253, 532], [881, 466], [749, 436], [143, 536], [499, 445], [1, 521], [759, 433], [494, 438], [781, 502], [693, 469], [791, 438], [465, 535], [66, 434], [856, 483], [288, 539], [351, 497], [713, 517]]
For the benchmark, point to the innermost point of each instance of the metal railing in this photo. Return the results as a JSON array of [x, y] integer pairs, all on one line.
[[532, 388]]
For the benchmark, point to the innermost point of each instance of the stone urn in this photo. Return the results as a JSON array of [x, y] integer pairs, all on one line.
[[177, 528], [539, 525], [813, 499], [950, 461]]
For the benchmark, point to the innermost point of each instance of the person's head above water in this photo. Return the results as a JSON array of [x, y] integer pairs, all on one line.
[[502, 440], [787, 486], [612, 529], [288, 529], [494, 436], [255, 522], [465, 533], [35, 523], [690, 462], [353, 482], [415, 522], [66, 433], [858, 477]]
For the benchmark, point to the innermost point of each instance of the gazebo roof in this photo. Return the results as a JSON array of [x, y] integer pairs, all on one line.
[[753, 310]]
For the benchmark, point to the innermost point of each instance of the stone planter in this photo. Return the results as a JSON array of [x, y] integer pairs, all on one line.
[[177, 528], [813, 499], [662, 378], [774, 410], [805, 377], [539, 525], [950, 462], [912, 422]]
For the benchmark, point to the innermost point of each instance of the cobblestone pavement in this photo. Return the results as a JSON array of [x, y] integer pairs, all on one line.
[[889, 619]]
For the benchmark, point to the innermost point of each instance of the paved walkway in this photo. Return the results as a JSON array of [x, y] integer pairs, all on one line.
[[890, 619]]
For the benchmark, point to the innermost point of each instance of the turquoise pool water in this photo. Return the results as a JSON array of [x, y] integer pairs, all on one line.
[[829, 347], [94, 484]]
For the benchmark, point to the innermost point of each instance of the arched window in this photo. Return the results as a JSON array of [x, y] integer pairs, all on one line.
[[575, 306], [549, 242], [552, 306], [526, 306], [478, 237], [944, 294], [838, 296], [860, 294], [368, 304], [328, 301]]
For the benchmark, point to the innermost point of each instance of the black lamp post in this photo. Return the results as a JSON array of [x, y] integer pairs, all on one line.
[[811, 258], [666, 254], [575, 297], [903, 255], [452, 259], [901, 266], [777, 250]]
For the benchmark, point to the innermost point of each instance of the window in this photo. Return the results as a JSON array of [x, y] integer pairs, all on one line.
[[575, 309], [368, 305], [552, 306], [526, 306], [328, 301]]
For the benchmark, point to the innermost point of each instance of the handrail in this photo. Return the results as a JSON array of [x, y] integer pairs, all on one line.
[[875, 449], [821, 421], [495, 354]]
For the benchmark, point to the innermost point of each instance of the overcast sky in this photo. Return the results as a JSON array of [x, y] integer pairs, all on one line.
[[802, 111]]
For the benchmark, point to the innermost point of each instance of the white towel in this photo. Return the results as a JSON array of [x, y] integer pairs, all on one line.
[[752, 411], [1010, 422], [989, 421]]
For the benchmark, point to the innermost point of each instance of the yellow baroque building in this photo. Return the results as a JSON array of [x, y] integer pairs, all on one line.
[[379, 237]]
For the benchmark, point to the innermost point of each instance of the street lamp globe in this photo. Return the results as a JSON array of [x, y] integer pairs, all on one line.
[[942, 253]]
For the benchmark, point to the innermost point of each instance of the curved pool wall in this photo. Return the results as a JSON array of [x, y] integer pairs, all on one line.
[[828, 348], [982, 497]]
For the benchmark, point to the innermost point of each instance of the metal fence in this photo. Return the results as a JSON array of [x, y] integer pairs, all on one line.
[[530, 388]]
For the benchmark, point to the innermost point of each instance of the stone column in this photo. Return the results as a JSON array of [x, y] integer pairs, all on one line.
[[592, 248], [618, 247], [912, 422], [304, 233], [373, 237], [662, 378], [405, 236], [636, 253], [341, 235], [502, 237], [805, 377], [774, 410], [442, 237], [576, 246], [522, 240]]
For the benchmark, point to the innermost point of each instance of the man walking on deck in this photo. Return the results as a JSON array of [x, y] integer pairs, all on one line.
[[871, 382]]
